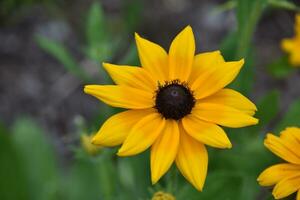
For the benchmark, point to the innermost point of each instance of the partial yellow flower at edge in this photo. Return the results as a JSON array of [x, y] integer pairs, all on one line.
[[292, 45], [177, 103], [285, 176]]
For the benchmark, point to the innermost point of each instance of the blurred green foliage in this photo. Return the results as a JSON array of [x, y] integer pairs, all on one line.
[[101, 42], [9, 8], [280, 68]]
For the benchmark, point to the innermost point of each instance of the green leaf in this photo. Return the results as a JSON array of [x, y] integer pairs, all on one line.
[[38, 159], [284, 4], [90, 179], [268, 108], [238, 44], [291, 117], [248, 14], [132, 14], [219, 185], [99, 45], [135, 180], [14, 182], [59, 52], [95, 25], [245, 79], [131, 57], [280, 68]]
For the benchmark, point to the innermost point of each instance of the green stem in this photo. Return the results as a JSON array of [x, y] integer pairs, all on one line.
[[172, 180]]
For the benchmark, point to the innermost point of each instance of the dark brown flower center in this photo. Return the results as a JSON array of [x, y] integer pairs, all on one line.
[[174, 100]]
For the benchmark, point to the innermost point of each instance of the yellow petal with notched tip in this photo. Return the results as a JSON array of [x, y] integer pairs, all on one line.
[[164, 150], [216, 78], [282, 148], [142, 135], [205, 132], [153, 58], [203, 62], [276, 173], [116, 128], [223, 115], [181, 55], [231, 98], [121, 96], [292, 136], [192, 160], [287, 186], [135, 77]]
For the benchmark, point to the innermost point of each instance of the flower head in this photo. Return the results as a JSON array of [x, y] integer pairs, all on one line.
[[292, 45], [176, 103], [285, 176]]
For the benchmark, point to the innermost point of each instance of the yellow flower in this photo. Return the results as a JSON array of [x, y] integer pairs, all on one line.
[[292, 45], [162, 196], [90, 148], [176, 102], [285, 176]]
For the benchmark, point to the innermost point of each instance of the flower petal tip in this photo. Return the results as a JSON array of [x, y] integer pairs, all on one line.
[[276, 195], [198, 187], [137, 36], [121, 152], [95, 141], [229, 146], [104, 64], [86, 89], [188, 29], [154, 180]]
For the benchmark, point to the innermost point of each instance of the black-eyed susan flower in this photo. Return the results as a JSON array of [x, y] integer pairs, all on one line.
[[176, 103], [285, 176], [292, 45]]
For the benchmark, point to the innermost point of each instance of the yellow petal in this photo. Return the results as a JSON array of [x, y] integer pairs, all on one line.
[[298, 195], [142, 135], [153, 58], [292, 137], [295, 56], [287, 44], [164, 150], [287, 186], [181, 55], [192, 160], [114, 130], [231, 98], [203, 62], [282, 148], [205, 132], [135, 77], [216, 78], [223, 115], [121, 96], [276, 173]]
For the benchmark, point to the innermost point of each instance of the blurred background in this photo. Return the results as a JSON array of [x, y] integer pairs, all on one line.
[[50, 49]]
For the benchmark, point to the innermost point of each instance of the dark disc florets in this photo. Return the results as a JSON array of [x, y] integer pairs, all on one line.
[[174, 100]]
